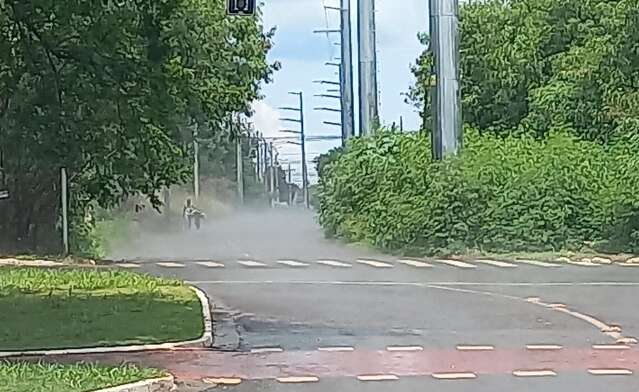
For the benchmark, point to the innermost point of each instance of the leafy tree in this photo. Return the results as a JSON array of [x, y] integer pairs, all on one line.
[[109, 90], [535, 65]]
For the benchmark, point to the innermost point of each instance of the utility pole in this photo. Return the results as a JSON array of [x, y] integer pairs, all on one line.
[[346, 72], [258, 154], [240, 169], [368, 95], [272, 172], [196, 164], [446, 99], [65, 210], [265, 167], [302, 134]]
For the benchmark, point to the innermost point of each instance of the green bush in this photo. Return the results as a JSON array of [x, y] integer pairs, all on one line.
[[501, 194]]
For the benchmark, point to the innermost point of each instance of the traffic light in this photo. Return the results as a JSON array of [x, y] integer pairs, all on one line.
[[241, 7]]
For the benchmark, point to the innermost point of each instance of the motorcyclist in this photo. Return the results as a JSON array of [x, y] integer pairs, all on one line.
[[192, 215]]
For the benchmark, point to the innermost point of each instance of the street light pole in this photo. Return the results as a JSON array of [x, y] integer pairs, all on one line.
[[444, 44], [196, 164], [303, 142]]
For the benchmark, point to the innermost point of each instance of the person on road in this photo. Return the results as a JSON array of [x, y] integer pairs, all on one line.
[[192, 215]]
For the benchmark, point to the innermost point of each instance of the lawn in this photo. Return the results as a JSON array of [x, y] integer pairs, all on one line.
[[33, 377], [72, 308]]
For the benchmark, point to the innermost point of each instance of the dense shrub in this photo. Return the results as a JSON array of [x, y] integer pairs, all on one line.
[[500, 194]]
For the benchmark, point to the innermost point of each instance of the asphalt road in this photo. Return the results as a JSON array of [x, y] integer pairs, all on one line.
[[291, 303]]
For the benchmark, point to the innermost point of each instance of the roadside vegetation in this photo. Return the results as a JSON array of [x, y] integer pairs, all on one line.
[[41, 377], [551, 148], [72, 308]]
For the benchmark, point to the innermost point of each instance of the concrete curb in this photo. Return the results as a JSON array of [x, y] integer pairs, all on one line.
[[165, 384], [205, 341]]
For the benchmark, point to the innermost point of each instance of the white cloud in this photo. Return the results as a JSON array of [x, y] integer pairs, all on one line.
[[266, 119]]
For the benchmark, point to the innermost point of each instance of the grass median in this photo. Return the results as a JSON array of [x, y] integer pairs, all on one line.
[[74, 308], [34, 377]]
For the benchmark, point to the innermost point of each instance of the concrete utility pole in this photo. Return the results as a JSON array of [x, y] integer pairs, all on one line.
[[65, 210], [240, 169], [302, 134], [368, 95], [196, 164], [266, 163], [346, 72], [272, 175], [446, 99]]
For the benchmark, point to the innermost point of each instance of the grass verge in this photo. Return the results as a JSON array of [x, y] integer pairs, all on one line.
[[39, 377], [72, 308]]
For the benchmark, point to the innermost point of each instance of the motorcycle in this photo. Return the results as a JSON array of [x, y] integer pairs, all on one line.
[[193, 216]]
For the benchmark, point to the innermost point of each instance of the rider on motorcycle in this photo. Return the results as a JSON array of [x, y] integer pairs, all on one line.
[[191, 214]]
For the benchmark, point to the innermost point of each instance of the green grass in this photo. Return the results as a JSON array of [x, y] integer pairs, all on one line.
[[38, 377], [71, 308]]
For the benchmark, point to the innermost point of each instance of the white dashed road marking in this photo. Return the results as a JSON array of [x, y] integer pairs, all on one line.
[[415, 263], [128, 265], [475, 348], [628, 264], [223, 381], [610, 347], [584, 263], [379, 377], [334, 263], [297, 380], [266, 350], [404, 348], [543, 347], [337, 349], [496, 263], [374, 263], [458, 264], [210, 264], [454, 376], [538, 263], [292, 263], [251, 263], [534, 373], [610, 372], [170, 265]]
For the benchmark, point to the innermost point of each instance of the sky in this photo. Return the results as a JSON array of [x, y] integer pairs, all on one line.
[[303, 55]]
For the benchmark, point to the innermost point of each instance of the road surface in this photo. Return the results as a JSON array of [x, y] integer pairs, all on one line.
[[292, 306]]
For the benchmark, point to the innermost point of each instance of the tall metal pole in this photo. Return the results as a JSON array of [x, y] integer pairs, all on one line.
[[447, 123], [303, 144], [196, 164], [240, 169], [65, 210], [346, 72], [368, 96], [258, 162], [272, 172], [265, 167]]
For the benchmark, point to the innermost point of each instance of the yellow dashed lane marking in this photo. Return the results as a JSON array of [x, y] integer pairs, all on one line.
[[223, 381], [610, 372], [404, 348], [534, 373], [210, 264], [415, 263], [297, 380], [334, 263], [251, 263], [374, 263], [378, 377], [292, 263], [475, 348], [496, 263], [543, 347], [170, 265], [336, 349], [458, 264], [454, 376]]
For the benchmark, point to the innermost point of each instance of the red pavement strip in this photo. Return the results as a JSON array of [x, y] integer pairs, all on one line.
[[198, 364]]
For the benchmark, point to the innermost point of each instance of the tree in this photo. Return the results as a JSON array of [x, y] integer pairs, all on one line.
[[535, 65], [109, 90]]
